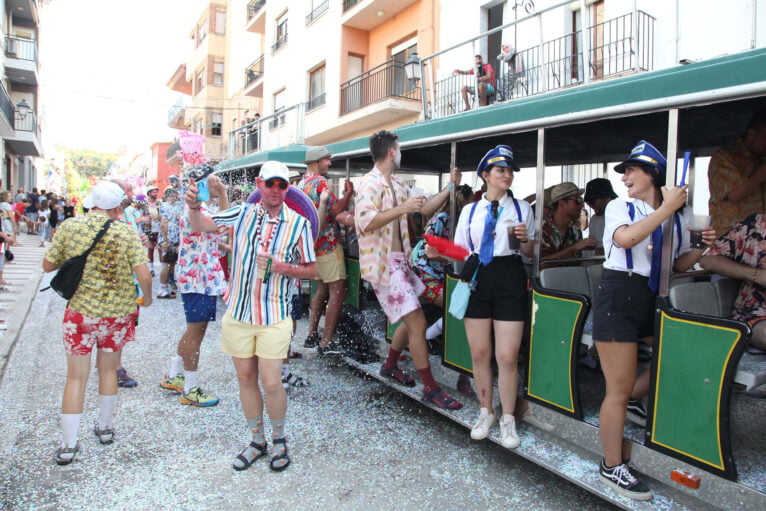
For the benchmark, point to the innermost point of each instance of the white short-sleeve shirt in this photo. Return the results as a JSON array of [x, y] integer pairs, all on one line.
[[505, 219], [617, 215]]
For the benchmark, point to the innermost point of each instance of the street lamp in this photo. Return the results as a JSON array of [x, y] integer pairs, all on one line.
[[412, 68], [23, 109]]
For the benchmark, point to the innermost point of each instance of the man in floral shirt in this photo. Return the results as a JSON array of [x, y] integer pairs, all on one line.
[[200, 281], [561, 236], [741, 254], [170, 213], [331, 267]]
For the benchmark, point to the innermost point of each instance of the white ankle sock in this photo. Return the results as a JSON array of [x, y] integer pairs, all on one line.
[[176, 366], [106, 411], [435, 330], [164, 288], [190, 380], [70, 424]]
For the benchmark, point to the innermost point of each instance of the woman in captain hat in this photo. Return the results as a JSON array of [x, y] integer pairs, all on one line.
[[623, 312]]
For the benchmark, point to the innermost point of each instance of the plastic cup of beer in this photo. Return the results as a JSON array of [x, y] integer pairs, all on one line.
[[698, 223], [513, 240], [416, 192]]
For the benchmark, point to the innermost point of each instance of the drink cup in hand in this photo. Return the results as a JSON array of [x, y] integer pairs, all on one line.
[[698, 223], [513, 240], [416, 192]]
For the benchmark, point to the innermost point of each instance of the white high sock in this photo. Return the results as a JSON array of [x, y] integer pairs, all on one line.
[[70, 424], [176, 366], [190, 380], [106, 411], [435, 330]]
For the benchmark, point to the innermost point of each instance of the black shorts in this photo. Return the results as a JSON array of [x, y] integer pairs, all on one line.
[[171, 253], [624, 308], [501, 292]]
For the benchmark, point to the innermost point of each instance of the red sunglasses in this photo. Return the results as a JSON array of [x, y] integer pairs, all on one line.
[[270, 183]]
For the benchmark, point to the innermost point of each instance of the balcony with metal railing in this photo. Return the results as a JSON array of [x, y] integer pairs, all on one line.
[[21, 63], [318, 11], [278, 44], [385, 81], [256, 16], [7, 109], [624, 44], [253, 78], [27, 138]]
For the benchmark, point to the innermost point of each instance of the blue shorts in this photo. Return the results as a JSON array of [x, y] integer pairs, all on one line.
[[199, 308]]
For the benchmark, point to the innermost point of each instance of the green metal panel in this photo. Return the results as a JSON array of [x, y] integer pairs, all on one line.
[[456, 353], [732, 70], [695, 358], [353, 282], [555, 332], [313, 285], [390, 329]]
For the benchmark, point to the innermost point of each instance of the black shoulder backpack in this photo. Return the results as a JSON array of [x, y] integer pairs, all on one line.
[[67, 280]]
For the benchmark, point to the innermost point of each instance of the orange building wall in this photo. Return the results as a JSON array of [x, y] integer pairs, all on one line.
[[419, 18], [353, 42], [161, 167]]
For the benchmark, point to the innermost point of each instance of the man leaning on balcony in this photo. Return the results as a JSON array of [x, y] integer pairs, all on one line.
[[485, 75]]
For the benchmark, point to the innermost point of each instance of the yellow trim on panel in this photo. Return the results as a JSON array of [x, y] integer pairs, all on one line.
[[663, 317], [571, 339]]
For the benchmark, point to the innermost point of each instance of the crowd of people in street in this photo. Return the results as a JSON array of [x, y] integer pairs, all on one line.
[[274, 247]]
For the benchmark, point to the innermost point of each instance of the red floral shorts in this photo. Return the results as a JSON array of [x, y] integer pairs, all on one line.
[[82, 333]]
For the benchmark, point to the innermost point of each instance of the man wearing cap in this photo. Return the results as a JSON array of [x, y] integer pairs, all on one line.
[[331, 267], [272, 246], [598, 193], [561, 234], [737, 176], [101, 311], [382, 206]]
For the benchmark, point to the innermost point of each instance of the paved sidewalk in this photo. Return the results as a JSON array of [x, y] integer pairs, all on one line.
[[24, 274]]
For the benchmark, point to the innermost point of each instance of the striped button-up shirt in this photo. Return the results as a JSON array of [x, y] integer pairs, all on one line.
[[287, 237]]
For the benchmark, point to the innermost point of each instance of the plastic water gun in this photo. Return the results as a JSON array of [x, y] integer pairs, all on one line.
[[446, 247]]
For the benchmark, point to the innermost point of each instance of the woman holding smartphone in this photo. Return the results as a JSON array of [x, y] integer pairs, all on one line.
[[623, 313], [498, 229]]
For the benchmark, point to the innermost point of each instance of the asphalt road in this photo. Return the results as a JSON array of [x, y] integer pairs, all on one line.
[[355, 443]]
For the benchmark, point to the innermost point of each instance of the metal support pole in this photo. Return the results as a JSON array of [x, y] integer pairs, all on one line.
[[634, 37], [539, 200], [423, 90], [671, 180], [586, 42]]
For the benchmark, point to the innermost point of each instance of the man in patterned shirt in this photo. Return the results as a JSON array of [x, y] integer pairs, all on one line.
[[272, 246], [737, 176], [561, 236], [101, 311], [741, 254], [331, 267], [200, 281], [385, 251], [170, 214]]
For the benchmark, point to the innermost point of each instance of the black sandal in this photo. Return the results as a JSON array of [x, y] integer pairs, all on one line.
[[66, 450], [279, 457], [262, 451], [438, 398]]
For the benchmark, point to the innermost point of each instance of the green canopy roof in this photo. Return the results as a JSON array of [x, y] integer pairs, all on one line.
[[291, 155]]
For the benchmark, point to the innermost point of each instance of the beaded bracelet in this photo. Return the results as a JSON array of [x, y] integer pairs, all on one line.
[[755, 274]]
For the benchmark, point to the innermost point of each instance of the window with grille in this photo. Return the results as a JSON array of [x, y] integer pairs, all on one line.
[[218, 69]]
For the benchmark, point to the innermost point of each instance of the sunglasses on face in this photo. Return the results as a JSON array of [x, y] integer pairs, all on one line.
[[270, 183], [578, 200]]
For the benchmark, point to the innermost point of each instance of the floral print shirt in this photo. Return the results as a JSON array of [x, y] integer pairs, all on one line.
[[313, 185], [554, 240], [431, 268], [107, 289], [729, 168], [374, 196], [198, 269], [172, 211], [745, 243]]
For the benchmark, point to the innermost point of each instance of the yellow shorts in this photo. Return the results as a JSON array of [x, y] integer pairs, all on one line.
[[331, 267], [243, 340]]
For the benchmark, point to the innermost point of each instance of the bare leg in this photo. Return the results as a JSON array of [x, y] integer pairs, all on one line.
[[107, 364], [416, 336], [507, 341], [618, 361], [189, 344], [758, 339], [249, 391], [465, 90], [78, 368], [483, 94], [479, 334], [317, 307], [334, 308], [271, 379]]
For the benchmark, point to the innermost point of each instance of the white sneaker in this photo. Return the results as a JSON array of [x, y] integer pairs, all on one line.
[[508, 436], [483, 423]]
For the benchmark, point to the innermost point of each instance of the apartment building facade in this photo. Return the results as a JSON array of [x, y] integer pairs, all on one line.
[[19, 94]]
